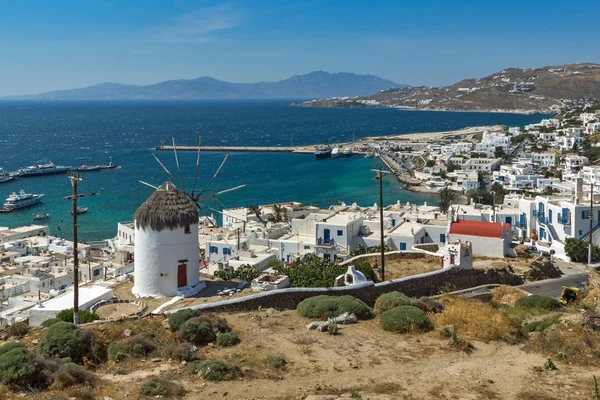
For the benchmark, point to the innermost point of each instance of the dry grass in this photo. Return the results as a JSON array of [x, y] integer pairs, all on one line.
[[507, 295], [395, 269], [475, 320]]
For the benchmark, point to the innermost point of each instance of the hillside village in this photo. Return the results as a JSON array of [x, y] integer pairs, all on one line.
[[513, 205]]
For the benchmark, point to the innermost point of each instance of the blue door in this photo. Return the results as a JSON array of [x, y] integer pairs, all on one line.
[[393, 222], [509, 220], [402, 246], [550, 216], [326, 235], [542, 233]]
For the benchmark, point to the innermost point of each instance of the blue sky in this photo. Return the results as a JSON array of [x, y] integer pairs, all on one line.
[[50, 45]]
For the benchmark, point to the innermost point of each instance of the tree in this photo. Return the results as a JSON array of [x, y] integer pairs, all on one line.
[[430, 163], [279, 213], [576, 249], [256, 210], [548, 191], [447, 196], [499, 152], [481, 196], [498, 192], [451, 167]]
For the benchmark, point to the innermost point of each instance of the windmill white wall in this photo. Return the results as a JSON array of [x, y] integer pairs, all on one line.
[[158, 255]]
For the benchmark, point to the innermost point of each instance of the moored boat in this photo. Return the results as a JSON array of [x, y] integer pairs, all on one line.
[[347, 152], [20, 200], [81, 210], [40, 216], [336, 152], [323, 151], [5, 176]]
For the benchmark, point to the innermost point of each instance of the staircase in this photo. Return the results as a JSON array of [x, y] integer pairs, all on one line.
[[594, 230]]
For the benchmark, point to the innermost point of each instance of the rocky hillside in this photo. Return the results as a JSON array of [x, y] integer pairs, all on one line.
[[526, 90]]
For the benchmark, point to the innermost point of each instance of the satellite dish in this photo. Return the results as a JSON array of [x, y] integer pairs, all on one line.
[[552, 252], [269, 225]]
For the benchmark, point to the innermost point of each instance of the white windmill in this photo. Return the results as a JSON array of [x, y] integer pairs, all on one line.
[[167, 255]]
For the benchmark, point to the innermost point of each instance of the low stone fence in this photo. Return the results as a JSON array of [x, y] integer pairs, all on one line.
[[391, 256], [428, 284], [143, 306]]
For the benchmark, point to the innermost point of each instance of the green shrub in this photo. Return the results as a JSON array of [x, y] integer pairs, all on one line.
[[277, 362], [404, 319], [115, 352], [181, 351], [17, 365], [70, 374], [387, 301], [161, 387], [84, 316], [196, 331], [18, 329], [332, 306], [138, 345], [65, 340], [214, 370], [49, 322], [543, 324], [228, 339], [177, 319], [537, 301]]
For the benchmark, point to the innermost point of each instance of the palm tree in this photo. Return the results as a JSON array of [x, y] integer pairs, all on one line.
[[447, 196], [255, 208], [279, 214]]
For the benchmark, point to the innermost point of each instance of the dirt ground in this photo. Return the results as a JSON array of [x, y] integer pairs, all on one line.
[[395, 269], [363, 359], [117, 310]]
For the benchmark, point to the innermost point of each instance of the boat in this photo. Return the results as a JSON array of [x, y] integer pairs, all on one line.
[[347, 152], [89, 168], [370, 155], [109, 166], [80, 210], [323, 151], [5, 176], [21, 200], [40, 216], [42, 169], [336, 152]]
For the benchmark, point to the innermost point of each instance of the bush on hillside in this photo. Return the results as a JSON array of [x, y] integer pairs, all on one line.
[[49, 322], [84, 316], [277, 362], [160, 387], [177, 319], [18, 329], [228, 339], [214, 370], [64, 339], [115, 352], [404, 319], [387, 301], [138, 345], [17, 365], [181, 351], [332, 306], [537, 301], [429, 306], [70, 374], [196, 331]]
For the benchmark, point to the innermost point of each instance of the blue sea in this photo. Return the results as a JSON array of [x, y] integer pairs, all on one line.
[[76, 133]]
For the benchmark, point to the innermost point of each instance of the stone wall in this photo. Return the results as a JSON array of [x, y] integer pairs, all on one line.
[[373, 258], [429, 284]]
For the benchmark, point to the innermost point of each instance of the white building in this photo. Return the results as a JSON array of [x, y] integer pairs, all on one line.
[[490, 141], [22, 232], [490, 239], [546, 159], [574, 163], [167, 255]]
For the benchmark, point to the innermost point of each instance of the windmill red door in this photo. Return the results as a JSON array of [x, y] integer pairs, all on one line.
[[181, 275]]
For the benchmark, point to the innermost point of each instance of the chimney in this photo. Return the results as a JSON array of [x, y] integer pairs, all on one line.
[[579, 189]]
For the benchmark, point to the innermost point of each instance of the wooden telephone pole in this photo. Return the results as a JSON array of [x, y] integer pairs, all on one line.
[[381, 230], [590, 246]]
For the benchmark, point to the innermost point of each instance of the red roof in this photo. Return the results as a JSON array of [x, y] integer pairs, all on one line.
[[478, 228]]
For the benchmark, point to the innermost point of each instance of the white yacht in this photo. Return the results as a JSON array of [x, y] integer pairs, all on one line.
[[43, 169], [347, 152], [5, 176], [336, 152], [21, 200]]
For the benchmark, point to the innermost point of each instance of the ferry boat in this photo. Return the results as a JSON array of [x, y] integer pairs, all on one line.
[[347, 152], [40, 216], [42, 169], [21, 200], [80, 210], [323, 151], [336, 152], [5, 176]]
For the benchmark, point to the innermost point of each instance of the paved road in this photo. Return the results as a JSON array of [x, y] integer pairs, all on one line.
[[553, 287]]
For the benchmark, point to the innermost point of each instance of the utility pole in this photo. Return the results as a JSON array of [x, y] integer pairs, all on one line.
[[591, 222], [75, 179], [381, 231]]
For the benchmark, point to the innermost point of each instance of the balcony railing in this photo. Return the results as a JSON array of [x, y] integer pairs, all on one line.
[[322, 242]]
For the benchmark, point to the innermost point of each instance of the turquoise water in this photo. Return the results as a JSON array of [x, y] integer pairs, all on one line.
[[71, 133]]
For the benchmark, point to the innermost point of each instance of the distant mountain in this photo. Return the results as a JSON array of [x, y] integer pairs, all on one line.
[[519, 90], [318, 84]]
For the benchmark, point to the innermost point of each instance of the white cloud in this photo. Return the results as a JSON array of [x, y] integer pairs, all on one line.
[[198, 26]]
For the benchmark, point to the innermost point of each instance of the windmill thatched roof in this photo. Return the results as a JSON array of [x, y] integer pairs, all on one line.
[[167, 208]]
